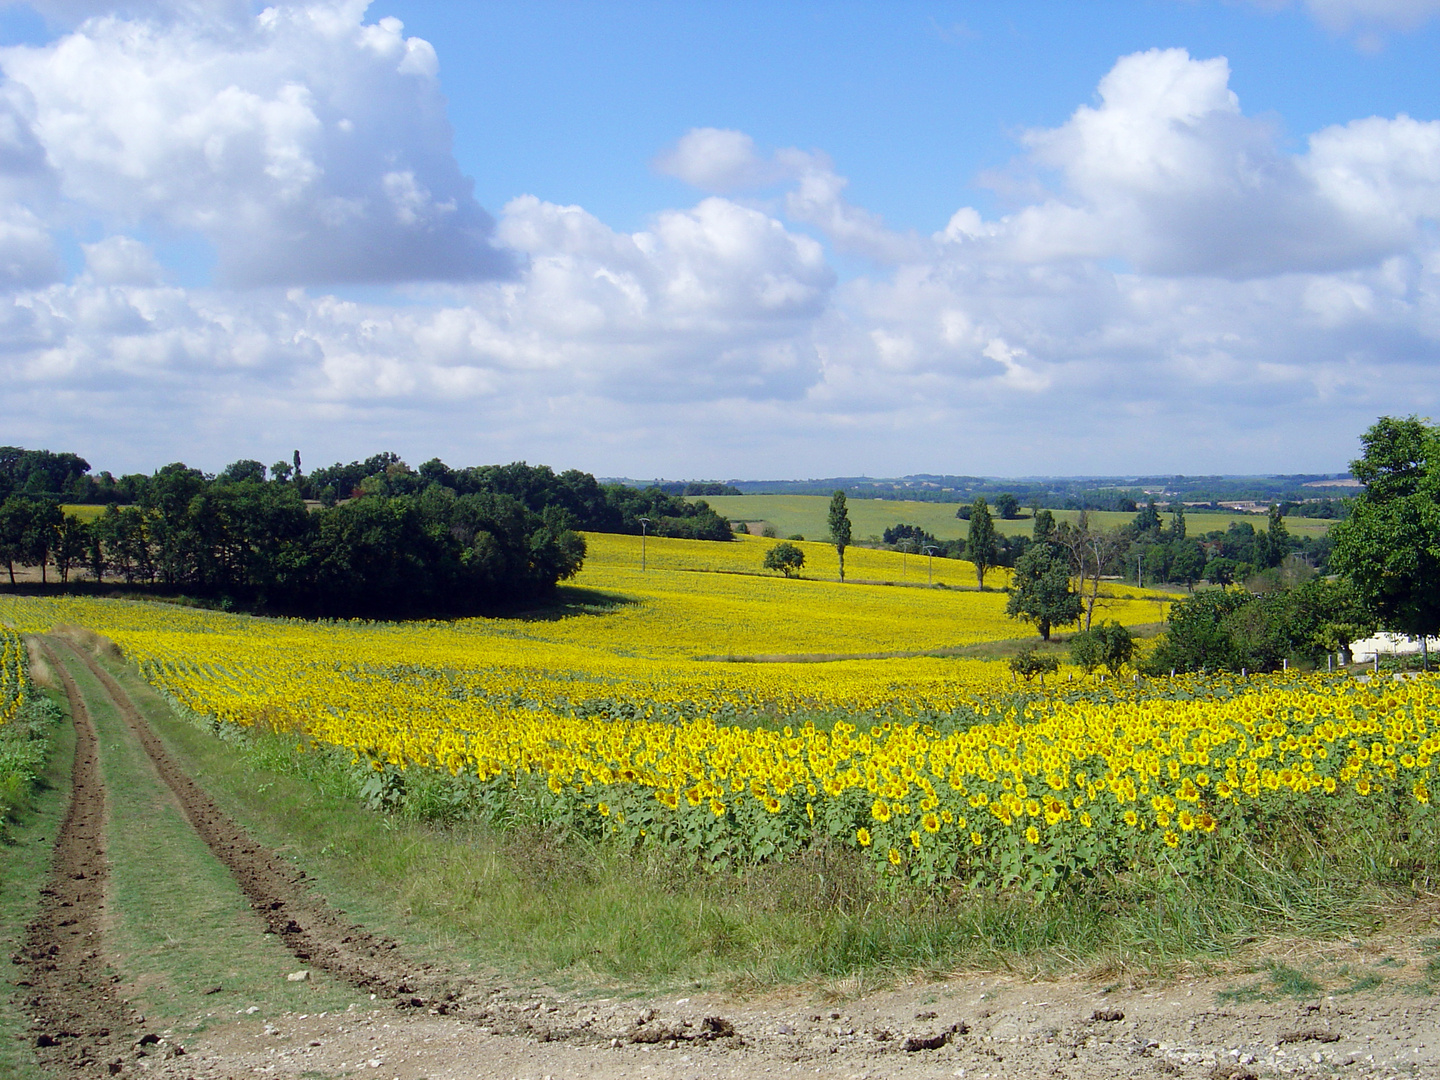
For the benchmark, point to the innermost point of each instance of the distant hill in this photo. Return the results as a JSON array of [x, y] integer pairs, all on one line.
[[1117, 493]]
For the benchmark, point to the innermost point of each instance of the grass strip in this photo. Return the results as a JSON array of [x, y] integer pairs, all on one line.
[[32, 821], [188, 947]]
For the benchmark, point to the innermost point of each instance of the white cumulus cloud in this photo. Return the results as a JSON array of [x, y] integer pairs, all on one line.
[[1186, 291], [306, 144], [1168, 174]]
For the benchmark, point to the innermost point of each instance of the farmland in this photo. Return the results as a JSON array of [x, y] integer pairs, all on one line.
[[693, 774], [625, 714], [806, 515]]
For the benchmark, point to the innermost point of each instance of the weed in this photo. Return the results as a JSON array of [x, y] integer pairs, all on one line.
[[1363, 983], [1290, 982]]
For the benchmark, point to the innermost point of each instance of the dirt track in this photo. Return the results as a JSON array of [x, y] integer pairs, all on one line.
[[420, 1025], [80, 1022], [312, 930]]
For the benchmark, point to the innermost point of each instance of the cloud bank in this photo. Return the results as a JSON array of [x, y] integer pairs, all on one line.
[[1176, 289]]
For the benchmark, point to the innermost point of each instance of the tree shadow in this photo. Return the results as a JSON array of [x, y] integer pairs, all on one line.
[[568, 601]]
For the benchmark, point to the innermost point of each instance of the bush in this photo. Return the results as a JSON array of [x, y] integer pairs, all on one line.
[[1030, 662], [1086, 652], [1109, 644]]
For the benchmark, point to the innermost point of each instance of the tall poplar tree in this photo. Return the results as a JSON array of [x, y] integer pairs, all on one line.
[[839, 527], [980, 542]]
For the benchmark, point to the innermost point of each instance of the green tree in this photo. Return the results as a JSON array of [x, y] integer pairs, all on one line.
[[42, 533], [1198, 636], [244, 469], [1390, 545], [1147, 521], [1040, 590], [1220, 571], [1187, 562], [839, 528], [785, 557], [1334, 614], [1157, 563], [1177, 520], [1007, 506], [72, 542], [1273, 544], [980, 541], [15, 516], [1117, 645], [1044, 529]]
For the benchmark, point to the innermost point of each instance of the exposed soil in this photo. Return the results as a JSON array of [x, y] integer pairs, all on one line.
[[80, 1022], [977, 1027], [317, 934]]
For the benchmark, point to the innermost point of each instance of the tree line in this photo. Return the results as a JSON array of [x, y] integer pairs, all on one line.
[[402, 542]]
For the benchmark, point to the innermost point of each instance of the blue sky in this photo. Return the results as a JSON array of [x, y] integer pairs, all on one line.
[[722, 240], [915, 102]]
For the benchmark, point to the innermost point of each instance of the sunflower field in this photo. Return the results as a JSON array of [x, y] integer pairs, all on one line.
[[641, 711], [14, 682]]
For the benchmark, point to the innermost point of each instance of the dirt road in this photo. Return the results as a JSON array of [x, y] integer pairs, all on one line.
[[410, 1021]]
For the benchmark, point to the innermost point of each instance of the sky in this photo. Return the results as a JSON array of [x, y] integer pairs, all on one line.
[[720, 240]]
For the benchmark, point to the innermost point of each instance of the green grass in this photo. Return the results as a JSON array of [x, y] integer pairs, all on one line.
[[1280, 981], [808, 515], [1363, 983], [24, 867], [180, 925]]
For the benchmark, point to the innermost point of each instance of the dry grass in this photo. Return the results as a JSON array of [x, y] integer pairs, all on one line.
[[92, 642], [40, 672]]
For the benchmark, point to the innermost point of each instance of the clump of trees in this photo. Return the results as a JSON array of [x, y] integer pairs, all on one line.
[[1158, 552], [1386, 558], [256, 542], [591, 506], [917, 541], [1390, 546], [588, 505], [1237, 630]]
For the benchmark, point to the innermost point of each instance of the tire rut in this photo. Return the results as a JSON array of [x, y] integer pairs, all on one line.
[[81, 1023], [319, 936], [316, 933]]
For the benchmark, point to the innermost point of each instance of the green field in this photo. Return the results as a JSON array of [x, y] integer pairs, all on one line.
[[84, 512], [807, 514]]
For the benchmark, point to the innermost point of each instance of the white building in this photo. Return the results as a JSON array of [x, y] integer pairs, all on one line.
[[1388, 644]]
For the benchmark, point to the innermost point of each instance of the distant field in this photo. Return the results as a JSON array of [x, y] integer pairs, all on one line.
[[807, 514], [83, 511]]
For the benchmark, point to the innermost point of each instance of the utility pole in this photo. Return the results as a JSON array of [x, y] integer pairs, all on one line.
[[644, 526]]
